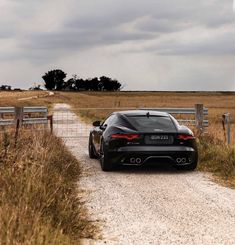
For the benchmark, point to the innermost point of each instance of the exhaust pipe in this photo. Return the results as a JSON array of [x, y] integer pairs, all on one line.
[[135, 160], [132, 160], [181, 160], [138, 160], [178, 160]]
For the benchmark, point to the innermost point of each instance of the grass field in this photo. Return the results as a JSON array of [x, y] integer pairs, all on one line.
[[217, 103], [215, 156]]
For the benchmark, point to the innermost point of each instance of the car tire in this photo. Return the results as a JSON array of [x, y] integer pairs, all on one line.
[[91, 150], [105, 164]]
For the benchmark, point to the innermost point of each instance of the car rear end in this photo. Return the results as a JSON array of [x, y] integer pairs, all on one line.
[[153, 138]]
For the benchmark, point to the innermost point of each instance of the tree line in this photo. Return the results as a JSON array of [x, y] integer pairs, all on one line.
[[55, 80]]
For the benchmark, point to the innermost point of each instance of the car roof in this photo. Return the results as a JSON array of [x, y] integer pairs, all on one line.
[[142, 113]]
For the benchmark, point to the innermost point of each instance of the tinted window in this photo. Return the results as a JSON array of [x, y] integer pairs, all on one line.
[[152, 123], [109, 120]]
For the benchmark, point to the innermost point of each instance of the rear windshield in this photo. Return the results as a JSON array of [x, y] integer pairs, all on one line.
[[152, 123]]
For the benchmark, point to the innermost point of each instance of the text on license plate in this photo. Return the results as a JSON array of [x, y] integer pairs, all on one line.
[[159, 137]]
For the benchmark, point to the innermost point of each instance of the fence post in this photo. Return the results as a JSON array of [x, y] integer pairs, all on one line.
[[199, 117], [45, 115], [227, 122], [17, 130], [50, 118], [19, 114]]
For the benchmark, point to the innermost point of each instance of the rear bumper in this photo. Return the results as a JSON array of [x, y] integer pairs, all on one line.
[[177, 155], [155, 149]]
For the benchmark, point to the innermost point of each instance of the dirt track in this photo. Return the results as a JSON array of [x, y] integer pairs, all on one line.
[[154, 204]]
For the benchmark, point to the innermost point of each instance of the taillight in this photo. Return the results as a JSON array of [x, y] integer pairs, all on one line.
[[185, 137], [125, 136]]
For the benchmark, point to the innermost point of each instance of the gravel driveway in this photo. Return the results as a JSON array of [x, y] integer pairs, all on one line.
[[154, 204]]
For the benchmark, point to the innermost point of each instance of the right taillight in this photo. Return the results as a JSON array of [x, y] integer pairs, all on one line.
[[185, 137]]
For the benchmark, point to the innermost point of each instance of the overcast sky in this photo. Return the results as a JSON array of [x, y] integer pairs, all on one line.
[[145, 44]]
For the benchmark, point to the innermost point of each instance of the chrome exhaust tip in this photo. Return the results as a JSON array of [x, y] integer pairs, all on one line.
[[178, 160], [138, 160], [132, 160]]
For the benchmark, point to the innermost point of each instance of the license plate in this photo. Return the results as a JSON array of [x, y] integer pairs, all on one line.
[[159, 137]]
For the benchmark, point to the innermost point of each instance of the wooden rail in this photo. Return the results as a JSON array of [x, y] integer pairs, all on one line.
[[24, 115]]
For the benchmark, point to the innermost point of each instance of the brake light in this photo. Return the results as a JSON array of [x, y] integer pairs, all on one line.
[[125, 136], [186, 137]]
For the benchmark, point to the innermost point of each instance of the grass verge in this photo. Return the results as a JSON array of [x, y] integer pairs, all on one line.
[[218, 158], [39, 203]]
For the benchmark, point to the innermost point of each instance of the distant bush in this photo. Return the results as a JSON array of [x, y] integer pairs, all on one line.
[[5, 87], [36, 87], [95, 84]]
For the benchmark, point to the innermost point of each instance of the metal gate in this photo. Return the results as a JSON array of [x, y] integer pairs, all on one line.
[[66, 123]]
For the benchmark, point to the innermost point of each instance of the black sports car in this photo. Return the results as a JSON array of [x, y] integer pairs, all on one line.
[[137, 137]]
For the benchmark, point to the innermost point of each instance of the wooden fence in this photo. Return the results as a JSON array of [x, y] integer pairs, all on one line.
[[19, 116]]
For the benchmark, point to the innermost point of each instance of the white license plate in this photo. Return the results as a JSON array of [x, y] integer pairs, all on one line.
[[159, 137]]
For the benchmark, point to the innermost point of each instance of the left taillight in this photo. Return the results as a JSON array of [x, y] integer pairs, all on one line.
[[185, 137], [128, 137]]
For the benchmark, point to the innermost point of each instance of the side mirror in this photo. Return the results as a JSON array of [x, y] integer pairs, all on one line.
[[103, 127], [96, 123]]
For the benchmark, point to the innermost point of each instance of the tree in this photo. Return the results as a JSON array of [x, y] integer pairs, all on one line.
[[5, 87], [109, 84], [69, 85], [35, 87], [79, 84], [94, 82], [54, 79]]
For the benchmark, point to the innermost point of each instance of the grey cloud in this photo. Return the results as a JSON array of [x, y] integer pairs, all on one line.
[[118, 36], [100, 23], [151, 26], [60, 40], [5, 34], [224, 45], [43, 47], [164, 25]]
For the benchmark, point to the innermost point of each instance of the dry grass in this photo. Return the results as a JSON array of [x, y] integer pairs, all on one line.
[[38, 192], [217, 103], [217, 158]]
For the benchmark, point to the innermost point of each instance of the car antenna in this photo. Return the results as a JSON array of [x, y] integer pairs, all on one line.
[[148, 114]]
